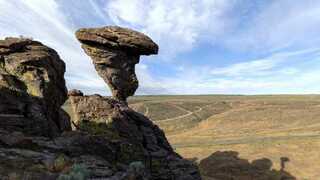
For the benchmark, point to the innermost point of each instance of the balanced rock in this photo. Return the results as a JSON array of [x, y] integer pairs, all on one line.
[[32, 88], [115, 51]]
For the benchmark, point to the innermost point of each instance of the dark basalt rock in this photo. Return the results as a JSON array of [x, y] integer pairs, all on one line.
[[32, 88], [118, 145], [140, 140], [115, 51]]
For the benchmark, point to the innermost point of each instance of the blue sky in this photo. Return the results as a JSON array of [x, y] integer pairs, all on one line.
[[206, 46]]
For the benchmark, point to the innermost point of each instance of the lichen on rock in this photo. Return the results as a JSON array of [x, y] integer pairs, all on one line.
[[32, 88]]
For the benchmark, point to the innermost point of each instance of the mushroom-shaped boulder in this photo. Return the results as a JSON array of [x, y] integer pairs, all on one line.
[[115, 51]]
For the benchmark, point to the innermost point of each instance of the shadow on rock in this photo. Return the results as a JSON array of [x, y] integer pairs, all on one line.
[[22, 112], [228, 166]]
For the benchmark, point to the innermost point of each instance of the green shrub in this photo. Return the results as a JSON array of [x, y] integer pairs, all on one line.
[[77, 172]]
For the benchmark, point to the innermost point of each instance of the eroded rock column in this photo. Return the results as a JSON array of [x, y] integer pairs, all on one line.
[[115, 51]]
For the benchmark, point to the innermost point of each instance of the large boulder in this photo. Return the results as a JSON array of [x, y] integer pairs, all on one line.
[[32, 88], [138, 138], [115, 51]]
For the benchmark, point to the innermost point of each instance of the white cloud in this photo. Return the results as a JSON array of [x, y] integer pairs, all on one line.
[[44, 21], [280, 24], [176, 25], [180, 25], [263, 66]]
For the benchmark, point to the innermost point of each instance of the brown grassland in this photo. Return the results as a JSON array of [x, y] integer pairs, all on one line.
[[270, 126]]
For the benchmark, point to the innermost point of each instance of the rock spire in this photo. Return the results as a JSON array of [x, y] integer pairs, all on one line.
[[115, 51]]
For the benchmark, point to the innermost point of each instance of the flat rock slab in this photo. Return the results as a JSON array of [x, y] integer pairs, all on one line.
[[118, 38]]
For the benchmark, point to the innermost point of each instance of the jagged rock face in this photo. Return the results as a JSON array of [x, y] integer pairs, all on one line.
[[32, 88], [115, 51], [139, 139]]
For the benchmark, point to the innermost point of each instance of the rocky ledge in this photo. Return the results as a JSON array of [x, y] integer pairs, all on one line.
[[109, 141]]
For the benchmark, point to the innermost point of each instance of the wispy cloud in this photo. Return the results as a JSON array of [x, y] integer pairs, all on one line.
[[276, 73], [264, 66]]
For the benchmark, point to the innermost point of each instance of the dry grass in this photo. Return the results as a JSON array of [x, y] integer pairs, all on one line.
[[255, 126]]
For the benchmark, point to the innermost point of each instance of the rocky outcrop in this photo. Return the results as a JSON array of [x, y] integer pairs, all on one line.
[[115, 51], [110, 140], [137, 136], [32, 88]]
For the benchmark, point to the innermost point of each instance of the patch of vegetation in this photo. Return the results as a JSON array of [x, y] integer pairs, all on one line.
[[77, 172], [102, 129]]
